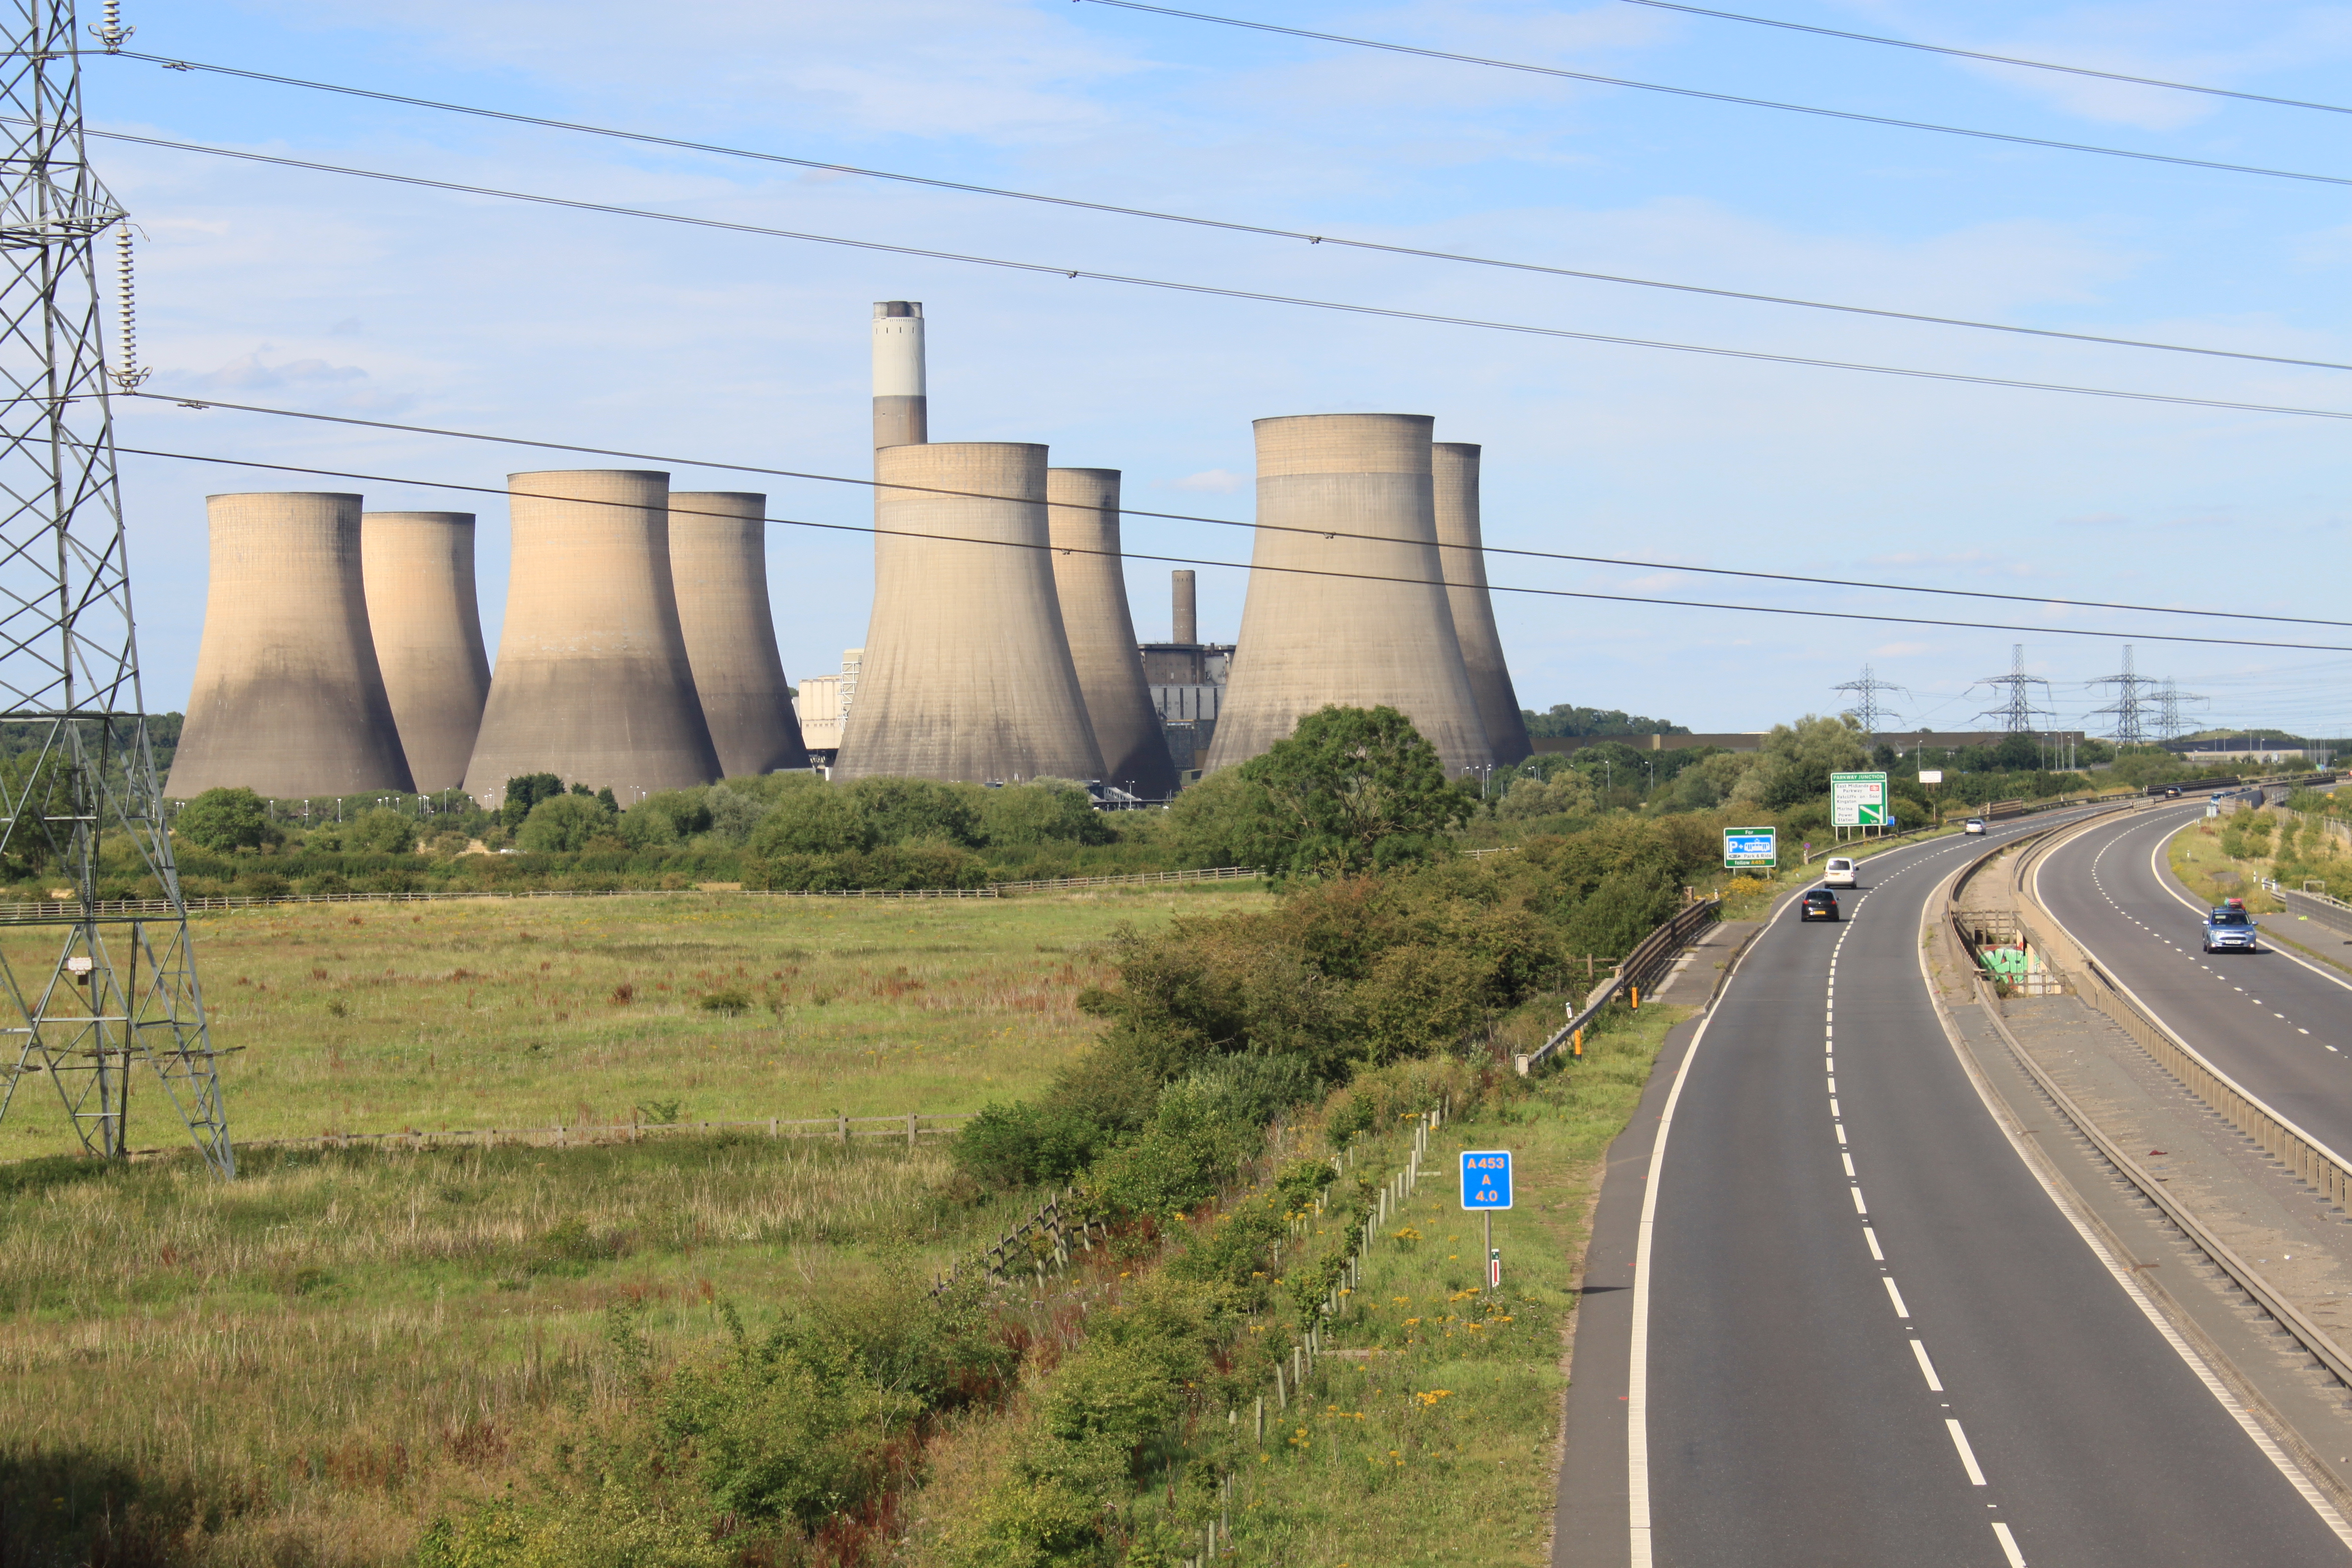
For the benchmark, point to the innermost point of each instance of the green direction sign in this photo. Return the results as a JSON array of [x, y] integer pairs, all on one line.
[[1857, 800]]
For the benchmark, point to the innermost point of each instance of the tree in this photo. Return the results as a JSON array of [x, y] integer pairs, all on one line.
[[1802, 757], [1045, 811], [226, 819], [380, 832], [1353, 789], [1566, 720], [907, 811], [562, 824], [820, 821], [524, 793]]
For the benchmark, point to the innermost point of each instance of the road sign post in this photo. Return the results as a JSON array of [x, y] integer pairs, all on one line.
[[1485, 1187]]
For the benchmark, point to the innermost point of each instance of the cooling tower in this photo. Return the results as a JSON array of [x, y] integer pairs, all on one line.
[[593, 682], [1379, 633], [428, 636], [901, 407], [967, 671], [1186, 604], [1453, 470], [718, 559], [288, 700], [1082, 507]]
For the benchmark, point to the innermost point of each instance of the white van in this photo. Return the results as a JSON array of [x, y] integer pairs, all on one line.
[[1838, 872]]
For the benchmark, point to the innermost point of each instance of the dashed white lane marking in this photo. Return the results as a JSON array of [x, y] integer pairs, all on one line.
[[1968, 1454], [1895, 1296], [1841, 1134], [2009, 1546], [1849, 1162], [1926, 1367], [1858, 1207], [1871, 1236]]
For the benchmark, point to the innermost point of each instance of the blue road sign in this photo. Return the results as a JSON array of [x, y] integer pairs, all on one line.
[[1749, 846], [1485, 1178]]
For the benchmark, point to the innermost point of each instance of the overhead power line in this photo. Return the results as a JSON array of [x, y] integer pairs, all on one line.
[[1297, 571], [1227, 225], [183, 401], [1734, 98], [1214, 291], [1996, 59]]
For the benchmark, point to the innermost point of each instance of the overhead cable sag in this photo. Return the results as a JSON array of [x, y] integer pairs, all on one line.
[[672, 458], [1305, 571], [1215, 291], [1729, 98], [1227, 225]]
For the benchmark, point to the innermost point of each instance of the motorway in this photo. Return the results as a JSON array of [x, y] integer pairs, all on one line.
[[1860, 1331], [2279, 1023]]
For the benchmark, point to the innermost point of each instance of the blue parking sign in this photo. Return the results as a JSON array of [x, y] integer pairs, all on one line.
[[1485, 1178]]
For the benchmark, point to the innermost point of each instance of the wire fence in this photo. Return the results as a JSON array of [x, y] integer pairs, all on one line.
[[910, 1126]]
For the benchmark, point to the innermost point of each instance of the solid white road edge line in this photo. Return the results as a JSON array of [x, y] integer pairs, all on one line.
[[2032, 1160], [1637, 1369]]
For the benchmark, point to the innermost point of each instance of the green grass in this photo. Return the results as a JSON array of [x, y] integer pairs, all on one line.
[[309, 1365], [513, 1014], [1439, 1446], [2202, 863]]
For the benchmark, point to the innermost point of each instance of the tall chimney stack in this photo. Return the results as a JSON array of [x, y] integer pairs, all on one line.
[[1187, 609], [901, 407]]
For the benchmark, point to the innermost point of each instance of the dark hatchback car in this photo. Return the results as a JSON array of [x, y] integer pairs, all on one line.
[[1820, 904]]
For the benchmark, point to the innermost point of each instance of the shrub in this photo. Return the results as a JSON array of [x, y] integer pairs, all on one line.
[[1046, 811], [733, 1001], [562, 824], [226, 820], [380, 832]]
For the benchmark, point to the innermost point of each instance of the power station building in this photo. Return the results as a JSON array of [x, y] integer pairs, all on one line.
[[288, 698], [718, 562], [426, 623], [1347, 603], [1454, 472], [966, 672], [1082, 519], [593, 682]]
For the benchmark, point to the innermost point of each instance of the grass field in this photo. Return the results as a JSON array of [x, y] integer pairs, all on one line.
[[310, 1365], [2201, 860], [513, 1014]]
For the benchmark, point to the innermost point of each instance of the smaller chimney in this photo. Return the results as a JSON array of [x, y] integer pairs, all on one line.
[[1188, 619], [901, 407]]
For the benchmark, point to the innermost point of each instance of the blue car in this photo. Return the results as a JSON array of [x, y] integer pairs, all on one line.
[[2231, 927]]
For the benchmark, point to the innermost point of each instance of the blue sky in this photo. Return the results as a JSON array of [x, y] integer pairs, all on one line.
[[317, 291]]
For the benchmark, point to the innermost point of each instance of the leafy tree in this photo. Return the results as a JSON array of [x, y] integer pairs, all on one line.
[[524, 793], [1045, 811], [1353, 789], [907, 811], [226, 819], [382, 832], [1566, 720], [1801, 757], [822, 821], [735, 812], [562, 824]]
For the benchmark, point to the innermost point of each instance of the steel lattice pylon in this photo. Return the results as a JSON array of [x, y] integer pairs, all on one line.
[[98, 993]]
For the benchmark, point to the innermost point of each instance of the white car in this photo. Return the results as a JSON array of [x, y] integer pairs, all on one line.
[[1838, 872], [1976, 824]]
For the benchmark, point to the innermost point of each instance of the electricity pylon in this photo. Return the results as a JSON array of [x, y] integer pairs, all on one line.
[[2132, 691], [1867, 711], [93, 992], [2017, 710]]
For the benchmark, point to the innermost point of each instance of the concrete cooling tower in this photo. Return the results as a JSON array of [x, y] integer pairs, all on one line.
[[719, 561], [901, 405], [592, 681], [428, 628], [288, 700], [967, 671], [1082, 517], [1453, 469], [1380, 637]]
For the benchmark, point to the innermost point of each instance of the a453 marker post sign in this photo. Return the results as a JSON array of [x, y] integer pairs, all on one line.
[[1485, 1187]]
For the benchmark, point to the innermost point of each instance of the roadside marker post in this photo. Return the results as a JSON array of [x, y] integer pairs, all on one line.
[[1485, 1187]]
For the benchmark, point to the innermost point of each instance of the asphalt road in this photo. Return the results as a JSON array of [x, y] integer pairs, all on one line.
[[1873, 1339], [2281, 1029]]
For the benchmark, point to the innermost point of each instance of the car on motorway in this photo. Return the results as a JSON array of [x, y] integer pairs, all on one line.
[[2172, 792], [2229, 928], [1838, 872], [1975, 824], [1818, 904]]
